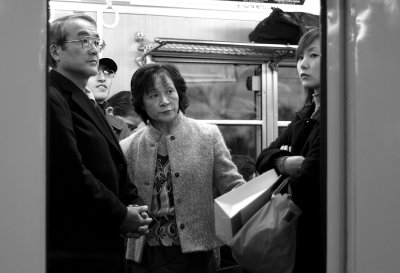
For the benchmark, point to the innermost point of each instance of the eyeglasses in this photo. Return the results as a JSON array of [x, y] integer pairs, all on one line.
[[88, 42], [107, 73]]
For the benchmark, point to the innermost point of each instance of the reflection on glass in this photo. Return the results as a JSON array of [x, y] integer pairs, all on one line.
[[241, 139], [219, 92]]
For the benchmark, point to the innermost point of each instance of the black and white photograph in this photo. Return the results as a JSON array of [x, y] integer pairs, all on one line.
[[187, 136]]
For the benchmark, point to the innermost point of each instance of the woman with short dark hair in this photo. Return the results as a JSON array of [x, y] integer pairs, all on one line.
[[175, 162]]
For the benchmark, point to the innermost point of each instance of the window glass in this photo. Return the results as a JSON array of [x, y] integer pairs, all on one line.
[[290, 92], [219, 92], [241, 139]]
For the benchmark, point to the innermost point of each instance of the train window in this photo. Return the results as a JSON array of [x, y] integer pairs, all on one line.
[[290, 94], [241, 139], [232, 85], [218, 91]]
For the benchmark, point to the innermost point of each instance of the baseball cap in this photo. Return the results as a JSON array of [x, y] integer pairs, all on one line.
[[109, 63]]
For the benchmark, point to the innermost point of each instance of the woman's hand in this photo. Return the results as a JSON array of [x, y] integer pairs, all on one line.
[[292, 164], [289, 165]]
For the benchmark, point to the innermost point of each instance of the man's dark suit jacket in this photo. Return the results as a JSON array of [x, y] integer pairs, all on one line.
[[88, 189]]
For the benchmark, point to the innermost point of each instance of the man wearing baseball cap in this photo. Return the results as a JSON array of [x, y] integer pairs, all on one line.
[[100, 86]]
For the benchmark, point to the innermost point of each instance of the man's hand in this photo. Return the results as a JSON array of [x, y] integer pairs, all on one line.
[[136, 222]]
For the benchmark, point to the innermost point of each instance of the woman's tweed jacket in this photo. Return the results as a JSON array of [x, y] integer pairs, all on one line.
[[199, 160]]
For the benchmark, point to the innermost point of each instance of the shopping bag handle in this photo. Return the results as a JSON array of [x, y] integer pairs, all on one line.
[[281, 185]]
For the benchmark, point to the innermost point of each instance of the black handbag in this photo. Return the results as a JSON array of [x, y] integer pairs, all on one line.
[[282, 27], [267, 241]]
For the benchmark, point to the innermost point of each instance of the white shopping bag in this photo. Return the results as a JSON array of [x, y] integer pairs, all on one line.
[[234, 208]]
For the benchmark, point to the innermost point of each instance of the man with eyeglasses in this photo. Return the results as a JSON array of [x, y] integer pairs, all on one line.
[[91, 203], [99, 86]]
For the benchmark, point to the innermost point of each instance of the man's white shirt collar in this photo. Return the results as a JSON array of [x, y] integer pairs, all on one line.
[[89, 93]]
